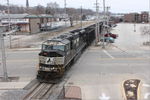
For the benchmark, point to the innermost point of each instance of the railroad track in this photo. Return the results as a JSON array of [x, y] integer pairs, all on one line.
[[40, 91]]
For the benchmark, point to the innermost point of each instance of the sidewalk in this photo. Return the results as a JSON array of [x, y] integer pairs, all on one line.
[[25, 49], [12, 85]]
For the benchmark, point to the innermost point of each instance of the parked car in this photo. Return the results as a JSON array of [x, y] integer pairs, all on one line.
[[4, 35], [111, 35], [108, 39]]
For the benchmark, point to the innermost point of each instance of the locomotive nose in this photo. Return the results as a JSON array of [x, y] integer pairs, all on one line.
[[52, 54]]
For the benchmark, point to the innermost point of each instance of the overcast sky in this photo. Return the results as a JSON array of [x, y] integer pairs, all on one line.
[[117, 6]]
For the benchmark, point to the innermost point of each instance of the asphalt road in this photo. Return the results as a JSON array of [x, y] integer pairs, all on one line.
[[21, 64], [100, 73]]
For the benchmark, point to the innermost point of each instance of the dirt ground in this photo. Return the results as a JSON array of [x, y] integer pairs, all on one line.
[[35, 40]]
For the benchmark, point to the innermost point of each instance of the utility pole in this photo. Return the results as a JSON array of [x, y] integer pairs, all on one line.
[[65, 4], [81, 17], [97, 23], [108, 17], [8, 8], [149, 25], [107, 23], [98, 29], [3, 57], [104, 23]]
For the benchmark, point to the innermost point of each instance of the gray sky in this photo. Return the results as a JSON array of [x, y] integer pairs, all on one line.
[[121, 6]]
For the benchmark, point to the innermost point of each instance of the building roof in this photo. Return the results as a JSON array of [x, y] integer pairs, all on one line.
[[45, 16], [39, 16], [13, 16], [61, 15], [21, 16], [31, 16]]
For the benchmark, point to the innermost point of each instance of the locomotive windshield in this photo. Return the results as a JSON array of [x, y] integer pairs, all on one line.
[[53, 47]]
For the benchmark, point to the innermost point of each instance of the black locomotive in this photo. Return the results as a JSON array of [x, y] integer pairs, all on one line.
[[59, 52]]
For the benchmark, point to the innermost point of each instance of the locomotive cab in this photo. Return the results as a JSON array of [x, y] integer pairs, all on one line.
[[52, 58]]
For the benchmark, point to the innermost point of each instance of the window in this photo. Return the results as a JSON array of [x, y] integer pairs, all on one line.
[[53, 47], [58, 47]]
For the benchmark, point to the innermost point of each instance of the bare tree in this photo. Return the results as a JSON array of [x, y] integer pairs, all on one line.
[[145, 30], [52, 8], [40, 9]]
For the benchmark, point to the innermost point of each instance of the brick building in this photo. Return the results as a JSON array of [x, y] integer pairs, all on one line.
[[136, 17], [144, 17]]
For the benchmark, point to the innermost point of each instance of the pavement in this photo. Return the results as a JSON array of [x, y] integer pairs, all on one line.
[[100, 73], [35, 40], [12, 85], [22, 64]]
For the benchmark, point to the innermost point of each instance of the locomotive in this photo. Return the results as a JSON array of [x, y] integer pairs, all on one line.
[[59, 52]]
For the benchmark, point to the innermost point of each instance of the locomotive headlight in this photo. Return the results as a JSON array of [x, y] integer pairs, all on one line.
[[53, 68]]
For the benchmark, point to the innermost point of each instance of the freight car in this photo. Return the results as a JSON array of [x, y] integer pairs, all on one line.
[[58, 53]]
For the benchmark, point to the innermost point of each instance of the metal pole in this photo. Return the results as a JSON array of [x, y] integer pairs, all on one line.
[[104, 23], [135, 27], [107, 23], [65, 4], [9, 22], [3, 57], [108, 17], [96, 21], [149, 24], [81, 17]]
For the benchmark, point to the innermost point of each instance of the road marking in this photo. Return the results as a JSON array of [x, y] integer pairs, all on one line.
[[119, 48], [146, 85], [22, 60], [108, 54], [125, 59], [146, 95], [104, 97]]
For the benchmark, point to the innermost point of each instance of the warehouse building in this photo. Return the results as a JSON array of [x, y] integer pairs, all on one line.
[[143, 17], [26, 23]]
